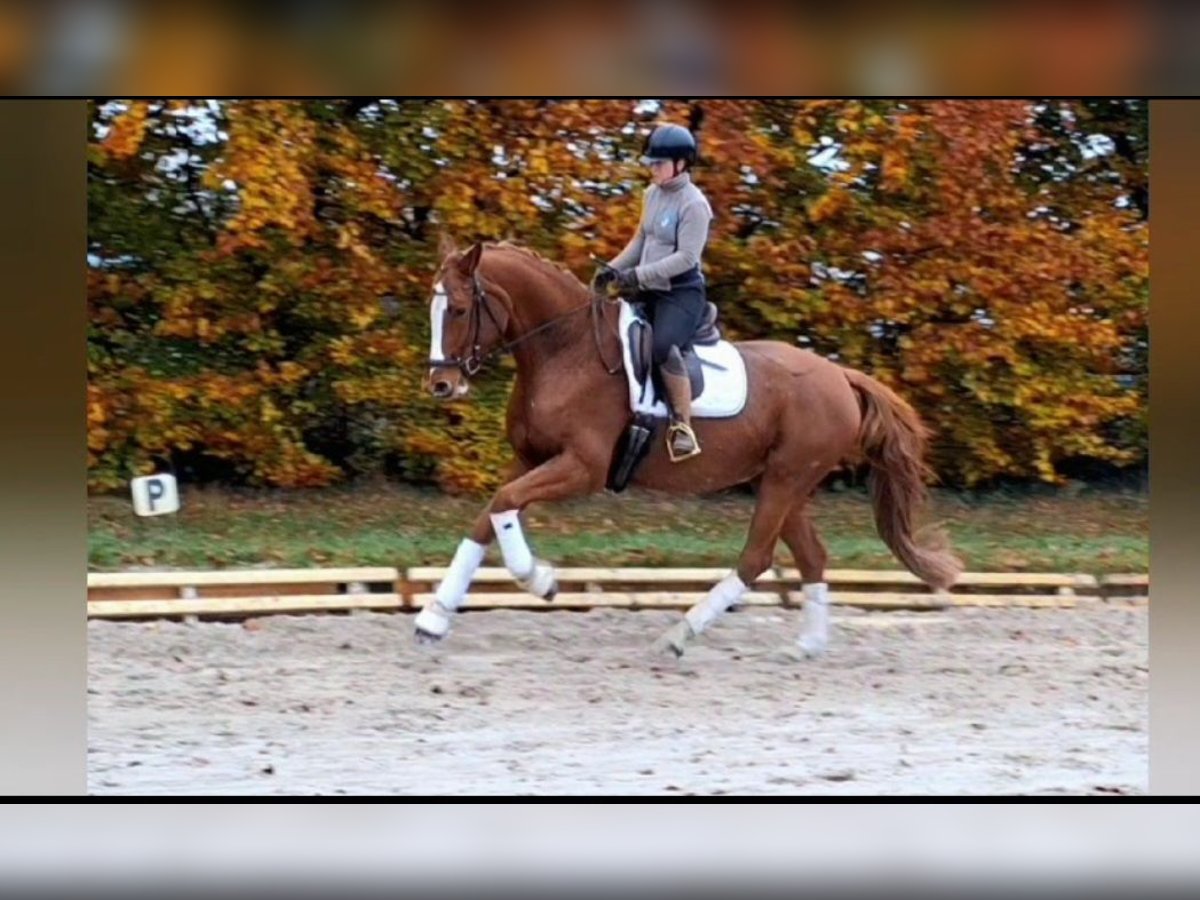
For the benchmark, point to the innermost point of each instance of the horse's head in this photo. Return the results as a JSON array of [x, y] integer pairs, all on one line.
[[467, 320]]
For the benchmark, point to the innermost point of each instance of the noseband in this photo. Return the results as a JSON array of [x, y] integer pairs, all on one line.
[[471, 363]]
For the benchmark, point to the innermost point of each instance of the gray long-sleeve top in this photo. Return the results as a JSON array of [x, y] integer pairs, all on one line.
[[676, 210]]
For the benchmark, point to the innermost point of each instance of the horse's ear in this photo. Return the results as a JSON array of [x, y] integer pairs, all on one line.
[[445, 245], [470, 259]]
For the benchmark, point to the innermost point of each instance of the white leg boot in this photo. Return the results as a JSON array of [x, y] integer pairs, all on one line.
[[433, 622], [723, 595], [534, 575], [814, 634]]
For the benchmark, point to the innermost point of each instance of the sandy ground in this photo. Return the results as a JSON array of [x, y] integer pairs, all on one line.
[[956, 702]]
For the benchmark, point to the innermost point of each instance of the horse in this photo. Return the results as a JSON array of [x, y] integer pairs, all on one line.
[[804, 416]]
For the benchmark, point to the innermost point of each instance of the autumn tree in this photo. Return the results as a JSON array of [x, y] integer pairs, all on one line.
[[259, 272]]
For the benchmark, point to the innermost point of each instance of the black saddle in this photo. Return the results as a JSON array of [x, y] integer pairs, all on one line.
[[634, 443], [641, 347]]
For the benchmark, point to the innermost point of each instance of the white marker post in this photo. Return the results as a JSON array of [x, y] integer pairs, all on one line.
[[155, 495], [158, 495]]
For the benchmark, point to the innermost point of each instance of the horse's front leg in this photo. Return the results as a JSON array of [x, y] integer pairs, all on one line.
[[433, 621], [560, 477]]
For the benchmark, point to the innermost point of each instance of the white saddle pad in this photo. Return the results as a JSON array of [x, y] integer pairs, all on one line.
[[724, 391]]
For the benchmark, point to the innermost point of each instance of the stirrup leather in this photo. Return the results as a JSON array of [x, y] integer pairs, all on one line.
[[684, 427]]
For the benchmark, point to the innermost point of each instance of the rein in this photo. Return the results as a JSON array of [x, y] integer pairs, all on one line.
[[479, 302]]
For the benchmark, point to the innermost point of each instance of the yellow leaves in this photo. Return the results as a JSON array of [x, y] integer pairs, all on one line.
[[127, 131], [829, 205], [363, 317], [538, 164], [291, 372], [802, 136], [894, 170], [269, 412], [267, 157], [329, 216]]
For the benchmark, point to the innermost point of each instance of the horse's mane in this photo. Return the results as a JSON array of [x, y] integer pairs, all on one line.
[[568, 329], [537, 258]]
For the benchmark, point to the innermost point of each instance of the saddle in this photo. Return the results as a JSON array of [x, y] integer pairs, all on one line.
[[706, 350], [641, 347]]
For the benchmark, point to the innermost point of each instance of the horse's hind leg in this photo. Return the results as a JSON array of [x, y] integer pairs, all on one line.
[[776, 496], [809, 551]]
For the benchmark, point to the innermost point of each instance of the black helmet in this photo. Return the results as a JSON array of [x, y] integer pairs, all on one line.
[[670, 142]]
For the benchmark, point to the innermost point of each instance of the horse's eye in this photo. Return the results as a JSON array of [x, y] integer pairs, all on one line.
[[458, 312]]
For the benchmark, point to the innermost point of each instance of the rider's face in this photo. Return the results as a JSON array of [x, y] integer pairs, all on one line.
[[661, 170]]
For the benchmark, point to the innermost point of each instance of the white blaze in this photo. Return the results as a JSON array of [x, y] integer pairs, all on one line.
[[437, 316]]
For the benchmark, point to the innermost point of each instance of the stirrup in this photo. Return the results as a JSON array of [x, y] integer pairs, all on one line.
[[686, 429]]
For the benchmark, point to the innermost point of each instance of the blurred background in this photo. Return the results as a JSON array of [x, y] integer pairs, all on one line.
[[935, 849], [188, 49]]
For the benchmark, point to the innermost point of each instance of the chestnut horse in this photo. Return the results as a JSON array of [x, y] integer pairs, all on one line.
[[804, 416]]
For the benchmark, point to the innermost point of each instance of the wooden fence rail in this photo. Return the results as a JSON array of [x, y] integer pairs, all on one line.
[[233, 594]]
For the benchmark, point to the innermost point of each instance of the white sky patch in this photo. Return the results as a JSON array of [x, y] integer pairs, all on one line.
[[1097, 145], [828, 158]]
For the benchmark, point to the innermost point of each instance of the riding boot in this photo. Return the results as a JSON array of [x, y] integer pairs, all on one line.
[[681, 440]]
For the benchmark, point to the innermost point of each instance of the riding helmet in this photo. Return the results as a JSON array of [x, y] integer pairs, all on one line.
[[669, 142]]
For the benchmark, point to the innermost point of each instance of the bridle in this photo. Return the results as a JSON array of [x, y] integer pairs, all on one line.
[[471, 363]]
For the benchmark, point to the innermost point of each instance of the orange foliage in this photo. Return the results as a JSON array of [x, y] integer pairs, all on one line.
[[268, 307]]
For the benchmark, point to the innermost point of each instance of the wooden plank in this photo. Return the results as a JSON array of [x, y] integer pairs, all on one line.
[[168, 592], [575, 600], [980, 579], [1028, 601], [877, 600], [1125, 582], [888, 600], [238, 576], [212, 591], [113, 609], [1129, 580], [579, 575], [158, 592], [1131, 588]]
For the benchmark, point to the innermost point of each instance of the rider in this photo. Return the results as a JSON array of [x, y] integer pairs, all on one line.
[[660, 267]]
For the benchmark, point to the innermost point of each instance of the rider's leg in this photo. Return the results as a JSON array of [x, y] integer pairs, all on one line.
[[676, 318], [681, 440]]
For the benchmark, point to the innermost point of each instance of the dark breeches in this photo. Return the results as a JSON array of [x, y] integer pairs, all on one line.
[[675, 315]]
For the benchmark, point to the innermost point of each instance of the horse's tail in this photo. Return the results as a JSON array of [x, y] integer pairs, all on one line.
[[894, 441]]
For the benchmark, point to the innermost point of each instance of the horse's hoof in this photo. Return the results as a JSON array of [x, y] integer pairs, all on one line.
[[674, 640], [541, 582], [432, 624], [663, 647], [798, 652], [812, 646]]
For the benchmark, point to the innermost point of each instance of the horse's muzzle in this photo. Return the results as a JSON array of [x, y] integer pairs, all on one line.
[[445, 384]]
